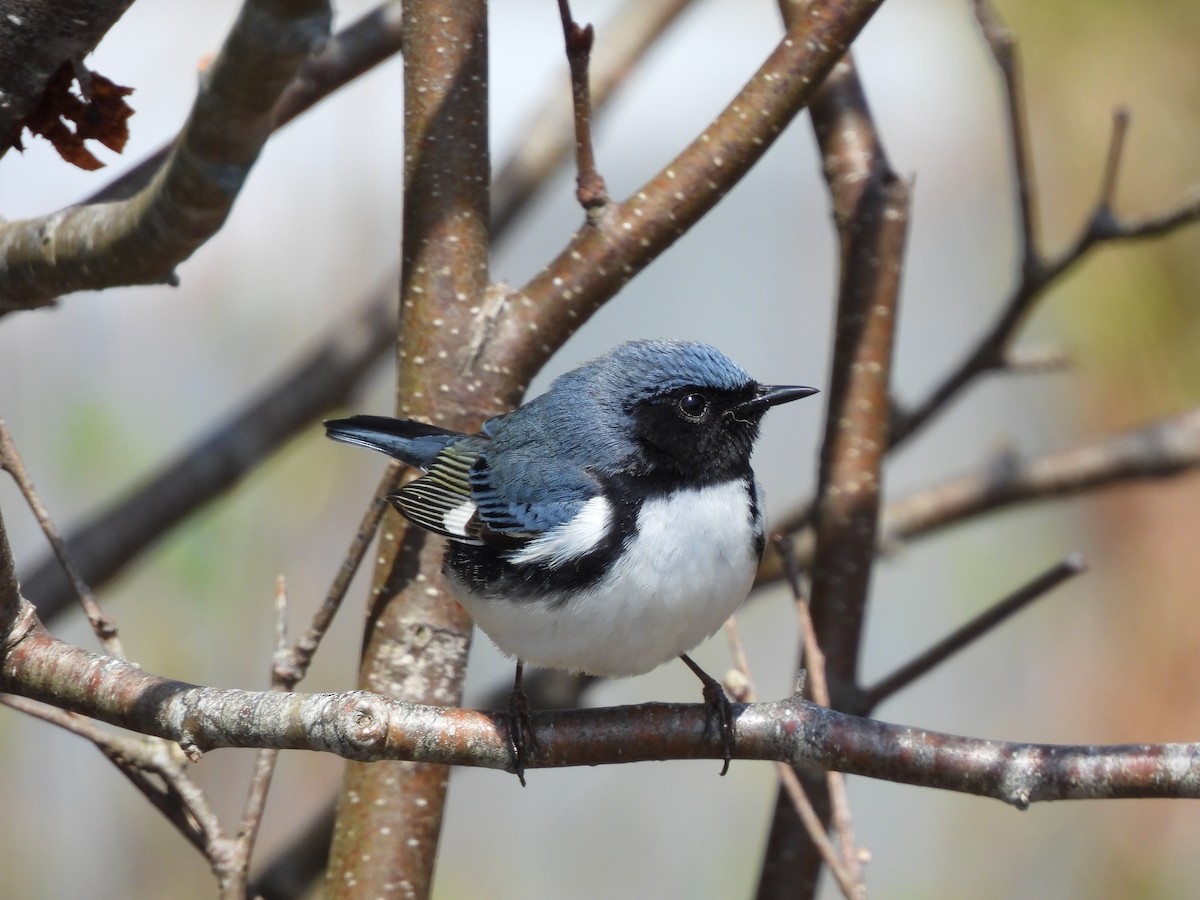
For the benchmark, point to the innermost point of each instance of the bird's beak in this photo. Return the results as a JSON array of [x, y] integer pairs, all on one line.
[[769, 395]]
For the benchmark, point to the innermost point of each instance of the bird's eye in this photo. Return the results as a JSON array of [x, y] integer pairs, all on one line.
[[694, 406]]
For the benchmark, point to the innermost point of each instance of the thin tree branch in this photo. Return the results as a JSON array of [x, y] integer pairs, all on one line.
[[745, 692], [963, 637], [1162, 449], [1038, 273], [612, 248], [241, 848], [104, 627], [590, 189], [141, 240]]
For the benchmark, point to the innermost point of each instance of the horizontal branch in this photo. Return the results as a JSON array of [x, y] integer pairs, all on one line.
[[142, 239], [1161, 449], [364, 726]]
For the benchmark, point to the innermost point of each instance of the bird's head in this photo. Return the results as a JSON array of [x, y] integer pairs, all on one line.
[[693, 412]]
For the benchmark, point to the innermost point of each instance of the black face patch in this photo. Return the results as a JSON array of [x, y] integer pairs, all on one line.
[[694, 434]]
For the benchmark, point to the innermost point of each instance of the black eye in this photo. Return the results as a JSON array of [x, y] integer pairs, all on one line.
[[694, 406]]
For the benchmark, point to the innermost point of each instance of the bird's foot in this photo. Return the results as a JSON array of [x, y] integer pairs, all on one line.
[[718, 710], [521, 738]]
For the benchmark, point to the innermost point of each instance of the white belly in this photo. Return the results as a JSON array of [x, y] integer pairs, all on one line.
[[689, 567]]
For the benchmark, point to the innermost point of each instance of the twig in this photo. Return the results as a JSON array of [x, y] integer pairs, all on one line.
[[104, 627], [544, 142], [1038, 273], [291, 663], [242, 846], [850, 876], [788, 779], [141, 240], [590, 187], [981, 625], [136, 758]]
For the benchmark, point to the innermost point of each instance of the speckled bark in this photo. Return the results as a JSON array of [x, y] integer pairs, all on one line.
[[390, 813]]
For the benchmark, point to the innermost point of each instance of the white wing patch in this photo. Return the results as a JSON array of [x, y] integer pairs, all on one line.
[[572, 539], [455, 520]]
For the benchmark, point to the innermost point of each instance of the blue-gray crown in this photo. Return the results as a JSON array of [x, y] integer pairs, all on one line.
[[636, 369]]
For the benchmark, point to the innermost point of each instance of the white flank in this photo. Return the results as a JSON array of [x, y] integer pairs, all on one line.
[[455, 521], [689, 567], [572, 539]]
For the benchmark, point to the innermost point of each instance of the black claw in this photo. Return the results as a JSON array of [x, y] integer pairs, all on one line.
[[520, 728], [717, 708]]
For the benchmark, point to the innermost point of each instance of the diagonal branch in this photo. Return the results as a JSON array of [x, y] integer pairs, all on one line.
[[1038, 272], [357, 48], [967, 634], [612, 248], [141, 240]]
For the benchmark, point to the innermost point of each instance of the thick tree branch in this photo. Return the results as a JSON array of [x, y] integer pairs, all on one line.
[[870, 209], [365, 726], [141, 240], [357, 48], [417, 636], [325, 376]]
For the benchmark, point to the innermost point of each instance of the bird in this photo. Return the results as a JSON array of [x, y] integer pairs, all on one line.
[[607, 526]]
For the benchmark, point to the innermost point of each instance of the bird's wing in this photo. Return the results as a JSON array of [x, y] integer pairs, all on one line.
[[467, 496], [441, 500], [520, 496]]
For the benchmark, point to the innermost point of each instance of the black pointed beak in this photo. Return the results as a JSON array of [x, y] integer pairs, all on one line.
[[768, 395]]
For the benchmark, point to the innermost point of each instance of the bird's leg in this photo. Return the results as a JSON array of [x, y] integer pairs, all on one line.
[[716, 708], [520, 729]]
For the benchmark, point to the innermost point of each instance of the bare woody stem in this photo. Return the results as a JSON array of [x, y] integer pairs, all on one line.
[[390, 814], [870, 206], [142, 239], [590, 187], [364, 726]]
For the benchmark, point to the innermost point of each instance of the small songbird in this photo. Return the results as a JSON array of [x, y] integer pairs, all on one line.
[[608, 525]]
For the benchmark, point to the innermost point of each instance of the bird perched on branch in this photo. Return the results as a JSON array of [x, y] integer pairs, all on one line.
[[608, 525]]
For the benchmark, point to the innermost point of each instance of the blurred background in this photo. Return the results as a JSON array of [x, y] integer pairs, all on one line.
[[101, 389]]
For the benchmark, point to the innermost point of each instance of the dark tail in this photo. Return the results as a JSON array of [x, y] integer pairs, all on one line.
[[413, 443]]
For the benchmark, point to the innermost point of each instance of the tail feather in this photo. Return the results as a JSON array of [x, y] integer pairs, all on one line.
[[413, 443]]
